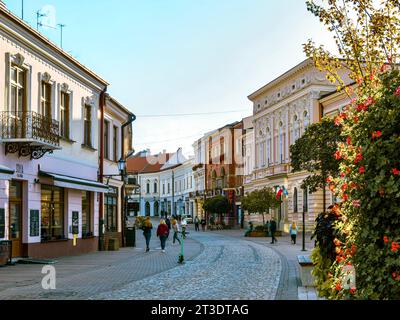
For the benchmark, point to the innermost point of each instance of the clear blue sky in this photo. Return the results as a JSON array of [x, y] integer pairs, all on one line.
[[182, 56]]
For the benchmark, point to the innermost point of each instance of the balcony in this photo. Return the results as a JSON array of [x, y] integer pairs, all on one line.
[[29, 134]]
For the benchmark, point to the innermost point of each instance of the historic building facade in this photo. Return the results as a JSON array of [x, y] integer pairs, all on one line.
[[61, 136], [49, 145], [282, 110], [224, 167]]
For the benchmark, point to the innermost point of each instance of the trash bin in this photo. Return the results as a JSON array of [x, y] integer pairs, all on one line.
[[130, 237], [5, 252]]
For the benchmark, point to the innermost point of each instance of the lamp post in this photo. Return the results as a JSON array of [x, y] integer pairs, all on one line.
[[122, 173]]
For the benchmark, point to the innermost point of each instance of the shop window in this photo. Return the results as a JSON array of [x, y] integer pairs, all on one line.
[[52, 202]]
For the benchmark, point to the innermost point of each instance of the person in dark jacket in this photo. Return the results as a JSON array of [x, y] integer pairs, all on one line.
[[203, 224], [162, 233], [147, 227], [168, 222], [196, 224], [272, 227]]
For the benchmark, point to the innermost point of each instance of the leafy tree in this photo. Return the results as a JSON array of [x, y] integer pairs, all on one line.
[[313, 152], [260, 201], [218, 205], [368, 230]]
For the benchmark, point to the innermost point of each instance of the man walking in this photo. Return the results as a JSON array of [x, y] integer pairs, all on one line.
[[272, 226], [196, 224]]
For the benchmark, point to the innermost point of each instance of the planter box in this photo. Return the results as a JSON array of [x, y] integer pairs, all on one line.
[[113, 244], [257, 234], [5, 252], [306, 268]]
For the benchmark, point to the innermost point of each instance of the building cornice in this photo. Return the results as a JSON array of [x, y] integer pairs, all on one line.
[[274, 83]]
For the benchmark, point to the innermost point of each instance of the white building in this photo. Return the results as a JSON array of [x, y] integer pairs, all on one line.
[[48, 145]]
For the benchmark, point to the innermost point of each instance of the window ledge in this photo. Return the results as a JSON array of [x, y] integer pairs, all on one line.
[[68, 140], [51, 241], [90, 148]]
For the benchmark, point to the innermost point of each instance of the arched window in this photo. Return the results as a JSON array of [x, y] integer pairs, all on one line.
[[268, 151], [148, 187], [295, 201], [147, 209], [281, 142], [296, 128], [155, 186], [306, 120], [223, 177], [156, 209]]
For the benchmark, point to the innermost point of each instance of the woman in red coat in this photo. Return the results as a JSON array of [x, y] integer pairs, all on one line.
[[162, 232]]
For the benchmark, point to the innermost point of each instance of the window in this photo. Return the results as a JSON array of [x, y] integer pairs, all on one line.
[[87, 138], [268, 151], [64, 115], [163, 188], [106, 139], [169, 188], [52, 202], [86, 214], [306, 120], [148, 187], [45, 100], [110, 208], [115, 143], [281, 142], [18, 90], [155, 187], [295, 201], [296, 129]]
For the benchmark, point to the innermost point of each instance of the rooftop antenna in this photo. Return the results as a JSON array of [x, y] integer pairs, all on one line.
[[62, 26], [38, 16], [22, 10]]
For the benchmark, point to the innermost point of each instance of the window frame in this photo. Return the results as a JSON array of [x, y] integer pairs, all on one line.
[[87, 125]]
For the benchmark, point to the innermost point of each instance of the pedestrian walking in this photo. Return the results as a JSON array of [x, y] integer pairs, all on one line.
[[184, 226], [162, 233], [196, 224], [272, 226], [293, 232], [168, 222], [147, 227], [203, 224], [176, 229]]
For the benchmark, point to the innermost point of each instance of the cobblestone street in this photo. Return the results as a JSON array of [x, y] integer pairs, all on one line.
[[217, 267], [227, 269]]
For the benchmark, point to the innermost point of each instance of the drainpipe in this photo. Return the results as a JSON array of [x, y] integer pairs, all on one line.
[[101, 169], [124, 204]]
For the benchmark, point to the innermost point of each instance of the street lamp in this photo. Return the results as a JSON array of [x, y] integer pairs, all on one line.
[[122, 167]]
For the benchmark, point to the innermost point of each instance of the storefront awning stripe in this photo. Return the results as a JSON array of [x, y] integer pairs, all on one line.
[[6, 173], [75, 183]]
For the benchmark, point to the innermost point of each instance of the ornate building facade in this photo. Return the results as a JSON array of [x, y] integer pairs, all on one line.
[[282, 110]]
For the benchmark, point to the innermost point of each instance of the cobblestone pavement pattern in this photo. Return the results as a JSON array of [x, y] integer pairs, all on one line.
[[227, 269]]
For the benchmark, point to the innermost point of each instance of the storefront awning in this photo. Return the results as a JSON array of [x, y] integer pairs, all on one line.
[[6, 173], [59, 180]]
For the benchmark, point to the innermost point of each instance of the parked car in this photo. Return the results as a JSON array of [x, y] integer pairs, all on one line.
[[188, 217]]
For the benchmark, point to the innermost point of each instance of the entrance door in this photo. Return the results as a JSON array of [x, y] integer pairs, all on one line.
[[15, 225]]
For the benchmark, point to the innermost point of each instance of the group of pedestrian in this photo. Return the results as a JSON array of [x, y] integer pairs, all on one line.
[[177, 226], [272, 229]]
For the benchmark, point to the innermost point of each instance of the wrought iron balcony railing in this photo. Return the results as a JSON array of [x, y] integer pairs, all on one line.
[[29, 127]]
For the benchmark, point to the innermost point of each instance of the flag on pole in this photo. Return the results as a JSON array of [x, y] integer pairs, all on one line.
[[279, 192], [285, 192]]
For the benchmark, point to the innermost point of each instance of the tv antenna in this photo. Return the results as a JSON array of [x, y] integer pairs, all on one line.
[[22, 9], [62, 26], [38, 16]]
